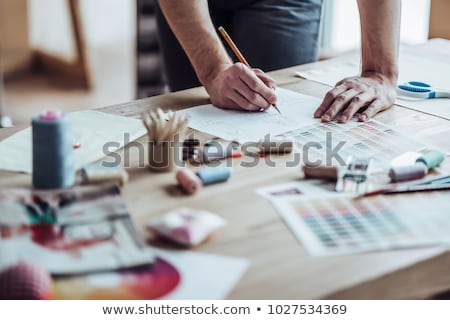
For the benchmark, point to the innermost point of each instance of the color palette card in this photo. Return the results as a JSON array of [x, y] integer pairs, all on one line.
[[370, 139], [339, 224]]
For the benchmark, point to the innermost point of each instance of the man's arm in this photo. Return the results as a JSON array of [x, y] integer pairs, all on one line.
[[229, 85], [376, 87]]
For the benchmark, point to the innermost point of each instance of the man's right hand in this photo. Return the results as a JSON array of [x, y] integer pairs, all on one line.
[[235, 86]]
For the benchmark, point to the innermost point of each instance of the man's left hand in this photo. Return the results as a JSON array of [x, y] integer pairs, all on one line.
[[371, 90]]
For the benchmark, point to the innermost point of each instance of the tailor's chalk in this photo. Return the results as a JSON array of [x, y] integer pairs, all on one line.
[[432, 158], [406, 173], [276, 146], [321, 172], [53, 157], [214, 175], [96, 173], [189, 181]]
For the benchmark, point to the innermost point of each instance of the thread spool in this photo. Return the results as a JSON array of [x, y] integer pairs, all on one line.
[[406, 173], [431, 159], [276, 146], [214, 175], [189, 181], [25, 281], [53, 158]]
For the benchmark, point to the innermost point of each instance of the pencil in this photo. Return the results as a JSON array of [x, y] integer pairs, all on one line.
[[237, 52], [405, 189]]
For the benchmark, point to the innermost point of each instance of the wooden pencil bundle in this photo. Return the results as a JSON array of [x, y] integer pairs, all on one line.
[[163, 127]]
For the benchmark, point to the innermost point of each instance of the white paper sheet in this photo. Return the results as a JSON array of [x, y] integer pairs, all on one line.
[[92, 129], [195, 276], [412, 68], [204, 276], [296, 110]]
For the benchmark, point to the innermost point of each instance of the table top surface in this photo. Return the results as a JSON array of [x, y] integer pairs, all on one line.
[[280, 268]]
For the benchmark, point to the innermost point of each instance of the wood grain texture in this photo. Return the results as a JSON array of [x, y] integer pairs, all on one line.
[[280, 268]]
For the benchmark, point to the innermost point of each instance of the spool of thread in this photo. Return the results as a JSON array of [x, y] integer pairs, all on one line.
[[406, 173], [25, 281], [53, 158], [214, 175], [431, 159], [276, 146], [189, 181]]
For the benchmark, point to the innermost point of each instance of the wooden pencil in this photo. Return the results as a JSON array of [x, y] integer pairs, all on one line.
[[237, 52]]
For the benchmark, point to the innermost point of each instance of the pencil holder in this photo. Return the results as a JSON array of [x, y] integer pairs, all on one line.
[[161, 155], [165, 131]]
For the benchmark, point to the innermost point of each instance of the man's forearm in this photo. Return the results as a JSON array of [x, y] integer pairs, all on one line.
[[191, 24], [380, 26]]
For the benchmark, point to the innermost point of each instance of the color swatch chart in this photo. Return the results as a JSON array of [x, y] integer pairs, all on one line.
[[370, 139], [339, 224]]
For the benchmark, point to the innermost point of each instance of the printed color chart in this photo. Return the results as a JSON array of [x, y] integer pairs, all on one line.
[[370, 139], [342, 224]]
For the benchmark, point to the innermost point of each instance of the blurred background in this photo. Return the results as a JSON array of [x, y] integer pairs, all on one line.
[[82, 54]]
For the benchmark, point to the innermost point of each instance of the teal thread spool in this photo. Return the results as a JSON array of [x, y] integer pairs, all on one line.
[[53, 158], [214, 175], [431, 159]]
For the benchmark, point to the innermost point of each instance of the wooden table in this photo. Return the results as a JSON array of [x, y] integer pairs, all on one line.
[[280, 267]]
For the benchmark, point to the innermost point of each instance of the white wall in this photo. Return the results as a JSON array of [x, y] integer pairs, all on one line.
[[344, 29], [105, 22]]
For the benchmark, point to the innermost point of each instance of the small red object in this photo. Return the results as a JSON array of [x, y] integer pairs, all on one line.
[[262, 155], [236, 154], [77, 145]]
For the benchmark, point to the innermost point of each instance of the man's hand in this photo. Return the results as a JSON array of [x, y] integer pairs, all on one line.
[[372, 91], [234, 86]]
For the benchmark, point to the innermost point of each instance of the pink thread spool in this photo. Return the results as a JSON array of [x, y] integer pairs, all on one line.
[[25, 281], [188, 181]]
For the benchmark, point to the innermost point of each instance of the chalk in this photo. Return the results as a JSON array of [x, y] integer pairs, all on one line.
[[53, 158], [276, 146], [189, 181], [321, 172], [214, 175], [97, 173], [406, 173], [432, 158]]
